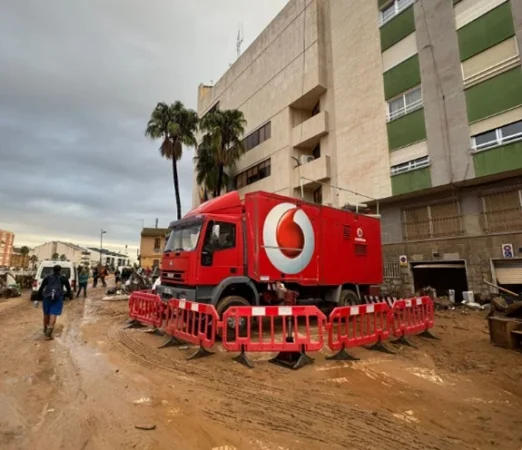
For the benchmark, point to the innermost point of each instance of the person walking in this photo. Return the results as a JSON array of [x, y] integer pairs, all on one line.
[[103, 273], [95, 275], [117, 276], [83, 279], [51, 291]]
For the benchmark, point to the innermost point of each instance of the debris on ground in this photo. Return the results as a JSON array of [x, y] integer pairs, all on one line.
[[145, 427]]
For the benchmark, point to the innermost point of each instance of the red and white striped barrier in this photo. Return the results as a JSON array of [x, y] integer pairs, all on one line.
[[296, 337], [355, 326], [192, 322], [414, 316], [146, 309]]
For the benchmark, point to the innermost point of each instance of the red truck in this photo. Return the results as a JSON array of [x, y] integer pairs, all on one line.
[[229, 252]]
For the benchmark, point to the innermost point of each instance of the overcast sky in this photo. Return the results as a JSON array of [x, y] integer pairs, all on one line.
[[78, 80]]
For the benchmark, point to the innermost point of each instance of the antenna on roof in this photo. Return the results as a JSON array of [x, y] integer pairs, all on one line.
[[240, 35], [156, 223]]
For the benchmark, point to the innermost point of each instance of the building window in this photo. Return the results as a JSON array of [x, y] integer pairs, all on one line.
[[502, 211], [393, 9], [316, 152], [258, 137], [500, 136], [438, 219], [404, 104], [391, 270], [318, 195], [410, 165], [255, 173], [157, 245]]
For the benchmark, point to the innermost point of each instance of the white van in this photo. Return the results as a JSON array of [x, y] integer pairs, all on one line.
[[46, 268]]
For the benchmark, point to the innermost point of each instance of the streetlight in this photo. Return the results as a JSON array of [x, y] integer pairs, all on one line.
[[101, 243]]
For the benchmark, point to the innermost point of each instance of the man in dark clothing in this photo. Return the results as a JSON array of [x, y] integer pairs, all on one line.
[[103, 273], [95, 275], [51, 291]]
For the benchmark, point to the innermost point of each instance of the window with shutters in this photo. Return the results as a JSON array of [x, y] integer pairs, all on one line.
[[430, 221], [502, 211], [255, 173]]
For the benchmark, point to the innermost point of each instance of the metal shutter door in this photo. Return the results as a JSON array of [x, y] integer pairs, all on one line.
[[509, 273]]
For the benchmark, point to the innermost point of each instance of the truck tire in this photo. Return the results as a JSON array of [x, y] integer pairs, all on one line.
[[227, 302], [349, 298]]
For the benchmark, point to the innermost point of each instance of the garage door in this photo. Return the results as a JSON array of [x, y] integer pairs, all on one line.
[[509, 273]]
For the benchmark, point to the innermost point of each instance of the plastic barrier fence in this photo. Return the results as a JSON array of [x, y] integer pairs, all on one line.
[[191, 322], [412, 316], [354, 326], [145, 309], [253, 329]]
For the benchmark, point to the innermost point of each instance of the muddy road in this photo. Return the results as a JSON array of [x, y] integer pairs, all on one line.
[[95, 382]]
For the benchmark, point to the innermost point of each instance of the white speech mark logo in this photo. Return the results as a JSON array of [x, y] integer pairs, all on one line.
[[288, 237]]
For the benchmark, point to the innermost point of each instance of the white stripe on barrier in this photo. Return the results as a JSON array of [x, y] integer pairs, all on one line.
[[418, 301], [258, 311], [194, 307], [370, 309], [285, 310], [182, 304], [354, 311], [408, 303]]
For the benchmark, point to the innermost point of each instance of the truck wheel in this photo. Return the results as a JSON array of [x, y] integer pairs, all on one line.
[[348, 298], [226, 303]]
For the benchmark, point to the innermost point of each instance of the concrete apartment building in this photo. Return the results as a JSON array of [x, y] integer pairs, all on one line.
[[6, 247], [72, 252], [415, 104]]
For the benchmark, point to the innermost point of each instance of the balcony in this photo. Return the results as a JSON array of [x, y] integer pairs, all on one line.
[[308, 133], [316, 170]]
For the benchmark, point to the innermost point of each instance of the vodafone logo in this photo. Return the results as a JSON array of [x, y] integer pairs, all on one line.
[[288, 237]]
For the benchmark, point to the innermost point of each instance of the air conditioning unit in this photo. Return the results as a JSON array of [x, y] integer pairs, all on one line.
[[305, 159]]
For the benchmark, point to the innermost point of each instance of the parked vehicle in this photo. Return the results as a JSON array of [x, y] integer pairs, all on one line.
[[46, 268], [229, 252]]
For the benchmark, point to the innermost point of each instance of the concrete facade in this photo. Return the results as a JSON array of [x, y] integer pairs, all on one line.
[[326, 75]]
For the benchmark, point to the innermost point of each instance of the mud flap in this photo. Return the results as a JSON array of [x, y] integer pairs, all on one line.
[[342, 355], [403, 341], [292, 360], [243, 359], [171, 342], [380, 347], [428, 335], [133, 323], [201, 353]]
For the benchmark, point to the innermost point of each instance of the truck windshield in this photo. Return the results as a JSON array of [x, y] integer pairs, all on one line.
[[183, 237]]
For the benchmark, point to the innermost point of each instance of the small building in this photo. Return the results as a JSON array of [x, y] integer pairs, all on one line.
[[152, 244], [59, 250], [107, 258], [6, 247], [19, 260]]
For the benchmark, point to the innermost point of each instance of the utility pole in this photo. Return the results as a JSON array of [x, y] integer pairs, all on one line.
[[102, 232]]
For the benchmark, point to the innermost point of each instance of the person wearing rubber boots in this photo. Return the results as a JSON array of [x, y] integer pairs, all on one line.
[[51, 291]]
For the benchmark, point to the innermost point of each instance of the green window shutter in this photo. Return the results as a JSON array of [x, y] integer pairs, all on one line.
[[416, 180], [497, 160], [406, 130], [397, 28], [402, 77], [495, 95], [486, 31]]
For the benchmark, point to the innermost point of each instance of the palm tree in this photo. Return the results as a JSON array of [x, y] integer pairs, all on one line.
[[176, 126], [63, 258], [33, 259], [224, 130], [24, 251], [55, 256], [206, 167]]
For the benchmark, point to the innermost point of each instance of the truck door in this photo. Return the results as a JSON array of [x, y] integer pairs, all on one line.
[[220, 256]]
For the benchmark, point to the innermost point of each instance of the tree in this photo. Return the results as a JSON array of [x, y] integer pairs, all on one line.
[[206, 167], [24, 251], [55, 256], [63, 258], [176, 126], [224, 130]]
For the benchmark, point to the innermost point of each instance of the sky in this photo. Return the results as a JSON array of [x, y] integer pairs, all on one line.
[[78, 81]]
